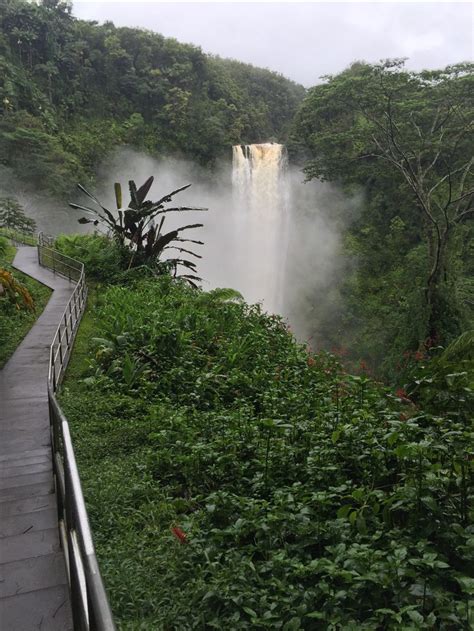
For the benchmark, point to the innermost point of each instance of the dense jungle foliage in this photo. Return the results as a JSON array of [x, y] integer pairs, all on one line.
[[234, 480], [71, 91], [402, 142], [22, 299]]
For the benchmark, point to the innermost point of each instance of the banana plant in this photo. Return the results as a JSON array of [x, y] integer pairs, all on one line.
[[135, 229]]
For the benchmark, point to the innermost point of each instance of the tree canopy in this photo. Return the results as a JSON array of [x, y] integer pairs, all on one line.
[[405, 139], [72, 90]]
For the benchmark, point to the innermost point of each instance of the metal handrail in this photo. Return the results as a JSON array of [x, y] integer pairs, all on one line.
[[90, 606]]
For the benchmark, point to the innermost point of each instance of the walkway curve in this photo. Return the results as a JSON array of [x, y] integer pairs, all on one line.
[[33, 586]]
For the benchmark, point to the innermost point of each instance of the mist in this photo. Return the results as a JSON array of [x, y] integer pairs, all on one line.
[[51, 215], [313, 265], [317, 262]]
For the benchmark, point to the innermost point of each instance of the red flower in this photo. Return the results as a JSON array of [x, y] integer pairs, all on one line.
[[310, 361], [179, 534], [419, 356], [401, 394]]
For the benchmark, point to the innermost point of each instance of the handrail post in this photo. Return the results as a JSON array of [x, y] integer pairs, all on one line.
[[66, 329]]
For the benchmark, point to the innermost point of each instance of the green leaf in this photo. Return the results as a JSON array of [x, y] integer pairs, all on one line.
[[416, 616], [118, 194], [250, 612], [344, 511], [467, 584]]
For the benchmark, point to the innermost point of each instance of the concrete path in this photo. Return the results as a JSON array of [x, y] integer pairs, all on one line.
[[33, 585]]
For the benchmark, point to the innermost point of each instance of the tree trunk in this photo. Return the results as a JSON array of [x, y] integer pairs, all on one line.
[[436, 299]]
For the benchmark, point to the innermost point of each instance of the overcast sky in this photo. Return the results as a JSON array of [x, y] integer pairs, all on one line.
[[304, 40]]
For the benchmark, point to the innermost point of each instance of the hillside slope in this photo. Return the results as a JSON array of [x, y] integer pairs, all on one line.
[[71, 91], [236, 481]]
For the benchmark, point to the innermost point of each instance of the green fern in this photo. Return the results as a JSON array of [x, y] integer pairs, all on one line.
[[462, 348], [222, 294]]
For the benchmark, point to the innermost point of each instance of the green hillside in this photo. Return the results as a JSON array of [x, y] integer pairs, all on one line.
[[71, 91], [236, 481]]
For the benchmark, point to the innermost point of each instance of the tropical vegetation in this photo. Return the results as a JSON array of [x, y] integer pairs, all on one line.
[[71, 91], [235, 480], [22, 300], [13, 217], [136, 237], [402, 141]]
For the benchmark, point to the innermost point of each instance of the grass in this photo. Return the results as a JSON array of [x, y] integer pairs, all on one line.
[[15, 324], [78, 362], [9, 254]]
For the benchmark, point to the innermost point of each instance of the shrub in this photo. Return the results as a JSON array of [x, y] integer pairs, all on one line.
[[235, 481], [102, 257], [12, 216]]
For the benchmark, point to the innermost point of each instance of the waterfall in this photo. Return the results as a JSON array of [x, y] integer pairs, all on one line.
[[260, 220]]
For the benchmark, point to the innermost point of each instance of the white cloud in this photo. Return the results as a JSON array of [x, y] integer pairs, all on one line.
[[305, 40]]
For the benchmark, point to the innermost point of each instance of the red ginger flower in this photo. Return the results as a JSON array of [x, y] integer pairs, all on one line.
[[179, 534]]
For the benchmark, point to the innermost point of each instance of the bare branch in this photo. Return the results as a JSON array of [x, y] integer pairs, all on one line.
[[464, 175], [464, 215], [445, 177], [459, 199]]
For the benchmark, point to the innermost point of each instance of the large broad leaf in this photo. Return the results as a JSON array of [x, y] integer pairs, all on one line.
[[190, 276], [180, 208], [194, 225], [167, 198], [118, 194], [189, 241], [90, 211], [189, 264], [109, 215], [143, 190], [174, 247], [131, 218], [163, 241], [84, 220], [133, 195], [86, 209]]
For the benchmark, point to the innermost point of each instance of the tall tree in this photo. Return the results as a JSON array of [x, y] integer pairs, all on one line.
[[373, 124]]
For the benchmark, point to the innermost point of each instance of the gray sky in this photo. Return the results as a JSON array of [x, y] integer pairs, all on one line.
[[304, 40]]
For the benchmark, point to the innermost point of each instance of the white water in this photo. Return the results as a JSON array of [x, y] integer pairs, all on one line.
[[260, 186]]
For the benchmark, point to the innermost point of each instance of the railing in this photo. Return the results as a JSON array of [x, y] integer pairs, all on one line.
[[18, 237], [90, 606]]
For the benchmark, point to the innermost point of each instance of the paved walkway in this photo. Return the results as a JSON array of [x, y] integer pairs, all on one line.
[[33, 585]]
